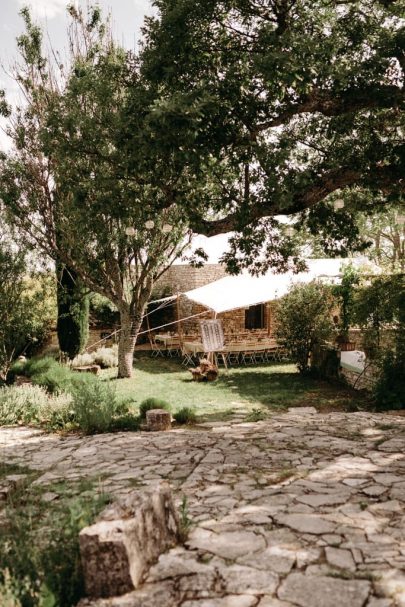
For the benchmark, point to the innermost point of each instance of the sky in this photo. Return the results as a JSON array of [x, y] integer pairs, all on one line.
[[127, 18]]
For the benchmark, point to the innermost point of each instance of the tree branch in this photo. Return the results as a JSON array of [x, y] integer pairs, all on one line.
[[385, 178], [330, 105]]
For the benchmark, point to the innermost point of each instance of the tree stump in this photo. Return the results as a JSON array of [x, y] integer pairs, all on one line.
[[119, 549], [158, 420]]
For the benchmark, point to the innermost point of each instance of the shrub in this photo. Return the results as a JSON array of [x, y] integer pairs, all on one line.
[[17, 368], [303, 320], [186, 415], [26, 305], [57, 379], [389, 389], [45, 372], [21, 404], [86, 403], [126, 422], [106, 357], [95, 406], [57, 413], [83, 360], [31, 404], [39, 547], [29, 366], [378, 306], [152, 403], [345, 296], [8, 592]]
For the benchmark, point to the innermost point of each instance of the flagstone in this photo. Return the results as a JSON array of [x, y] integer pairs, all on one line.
[[340, 558], [230, 544], [306, 523], [274, 558], [272, 602], [374, 490], [327, 499], [248, 580], [228, 601], [318, 591], [355, 482]]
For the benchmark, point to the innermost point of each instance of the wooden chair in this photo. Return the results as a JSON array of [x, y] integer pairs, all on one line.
[[156, 348], [187, 357]]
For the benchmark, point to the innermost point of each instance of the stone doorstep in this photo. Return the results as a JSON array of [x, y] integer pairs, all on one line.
[[128, 537]]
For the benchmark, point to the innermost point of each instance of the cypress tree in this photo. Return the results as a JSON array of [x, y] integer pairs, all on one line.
[[73, 312]]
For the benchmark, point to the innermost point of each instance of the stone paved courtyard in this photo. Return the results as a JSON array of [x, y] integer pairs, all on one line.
[[303, 509]]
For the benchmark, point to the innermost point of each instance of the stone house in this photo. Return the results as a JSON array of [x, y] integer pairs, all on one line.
[[245, 304], [179, 279]]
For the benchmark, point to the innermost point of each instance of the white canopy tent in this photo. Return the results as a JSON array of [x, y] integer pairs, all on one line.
[[244, 290]]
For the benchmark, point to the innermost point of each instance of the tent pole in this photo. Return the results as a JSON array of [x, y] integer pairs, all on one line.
[[269, 319], [148, 327], [179, 322], [213, 359]]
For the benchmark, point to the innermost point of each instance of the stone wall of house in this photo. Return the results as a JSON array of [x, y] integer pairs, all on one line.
[[360, 381], [233, 322], [95, 335], [326, 361], [387, 337], [180, 278]]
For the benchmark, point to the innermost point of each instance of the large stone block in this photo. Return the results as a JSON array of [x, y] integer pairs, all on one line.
[[158, 420], [118, 550], [95, 369]]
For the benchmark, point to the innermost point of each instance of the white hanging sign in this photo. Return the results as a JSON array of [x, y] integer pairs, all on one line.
[[212, 335]]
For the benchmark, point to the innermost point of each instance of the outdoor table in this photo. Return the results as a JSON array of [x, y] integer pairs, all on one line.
[[194, 347], [171, 343], [167, 339]]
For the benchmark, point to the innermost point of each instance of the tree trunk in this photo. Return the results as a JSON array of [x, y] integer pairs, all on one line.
[[130, 325]]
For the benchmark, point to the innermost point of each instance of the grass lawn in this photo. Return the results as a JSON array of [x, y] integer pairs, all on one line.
[[271, 386]]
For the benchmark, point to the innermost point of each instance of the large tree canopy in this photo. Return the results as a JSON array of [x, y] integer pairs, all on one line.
[[301, 101]]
